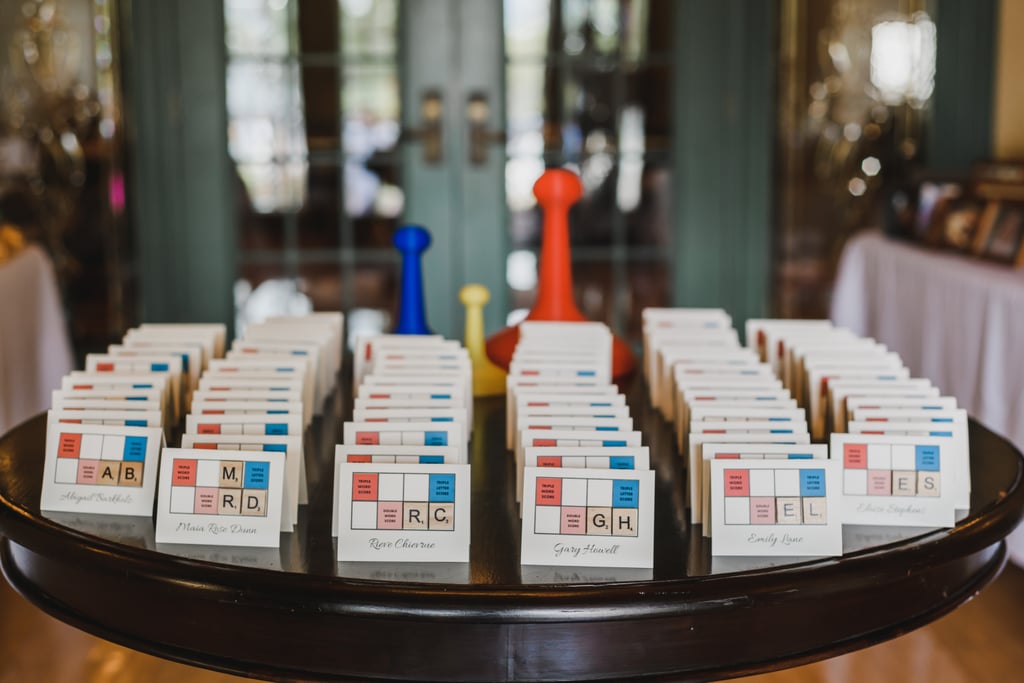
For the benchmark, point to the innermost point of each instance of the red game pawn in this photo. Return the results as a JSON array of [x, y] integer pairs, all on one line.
[[556, 191]]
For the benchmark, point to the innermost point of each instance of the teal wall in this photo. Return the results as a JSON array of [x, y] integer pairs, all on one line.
[[724, 98], [181, 195], [961, 127]]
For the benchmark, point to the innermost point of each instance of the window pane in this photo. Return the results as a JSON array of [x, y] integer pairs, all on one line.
[[369, 28]]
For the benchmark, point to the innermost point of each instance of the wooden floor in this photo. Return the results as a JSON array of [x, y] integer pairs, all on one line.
[[980, 642]]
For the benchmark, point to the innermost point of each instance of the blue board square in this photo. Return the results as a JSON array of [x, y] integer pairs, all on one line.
[[940, 433], [625, 493], [134, 449], [927, 458], [257, 475], [135, 398], [800, 456], [142, 386], [440, 397], [275, 448], [613, 444], [621, 462], [812, 483], [276, 429], [442, 488], [184, 362], [606, 429], [435, 438], [442, 419], [135, 423], [431, 459], [159, 367]]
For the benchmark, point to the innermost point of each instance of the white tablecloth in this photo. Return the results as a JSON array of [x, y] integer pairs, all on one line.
[[954, 319], [34, 348]]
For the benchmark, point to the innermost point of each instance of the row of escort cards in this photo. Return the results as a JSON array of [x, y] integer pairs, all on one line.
[[583, 477], [108, 428], [402, 475], [804, 430]]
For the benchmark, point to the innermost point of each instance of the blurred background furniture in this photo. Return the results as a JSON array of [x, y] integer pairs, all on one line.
[[957, 320], [34, 348]]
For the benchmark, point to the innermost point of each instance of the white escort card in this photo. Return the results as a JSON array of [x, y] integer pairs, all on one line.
[[540, 395], [952, 428], [289, 424], [136, 418], [696, 457], [422, 433], [776, 507], [568, 438], [100, 469], [290, 446], [896, 480], [426, 414], [628, 458], [840, 390], [169, 365], [403, 513], [588, 518], [750, 451], [402, 455], [220, 498], [79, 380]]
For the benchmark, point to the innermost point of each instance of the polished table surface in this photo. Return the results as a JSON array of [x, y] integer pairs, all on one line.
[[295, 613]]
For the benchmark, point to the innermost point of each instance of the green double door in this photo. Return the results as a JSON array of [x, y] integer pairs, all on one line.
[[281, 143]]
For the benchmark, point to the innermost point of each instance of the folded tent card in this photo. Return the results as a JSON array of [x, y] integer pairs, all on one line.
[[401, 474], [582, 475]]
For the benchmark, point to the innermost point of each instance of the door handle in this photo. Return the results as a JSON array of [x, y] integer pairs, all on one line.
[[429, 132], [478, 113]]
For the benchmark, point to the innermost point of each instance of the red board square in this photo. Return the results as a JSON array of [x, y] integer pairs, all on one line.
[[368, 438], [549, 461], [104, 367], [737, 482], [364, 487], [205, 446], [209, 429], [549, 491], [544, 442], [183, 473], [360, 458], [855, 456], [68, 445]]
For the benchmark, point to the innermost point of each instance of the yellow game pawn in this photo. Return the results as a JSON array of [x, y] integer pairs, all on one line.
[[488, 378]]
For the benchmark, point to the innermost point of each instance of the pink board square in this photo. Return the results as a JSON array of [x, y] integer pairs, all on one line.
[[389, 515], [574, 520], [879, 482], [762, 510], [206, 501], [737, 483], [87, 471]]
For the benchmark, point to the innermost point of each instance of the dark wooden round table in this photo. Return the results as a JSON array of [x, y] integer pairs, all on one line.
[[298, 614]]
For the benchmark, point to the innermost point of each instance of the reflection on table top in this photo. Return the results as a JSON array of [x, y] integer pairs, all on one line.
[[297, 613]]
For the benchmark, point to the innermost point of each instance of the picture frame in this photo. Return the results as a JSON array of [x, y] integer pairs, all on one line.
[[1000, 235]]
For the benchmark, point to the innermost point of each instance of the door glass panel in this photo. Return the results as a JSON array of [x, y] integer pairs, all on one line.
[[313, 106], [589, 89]]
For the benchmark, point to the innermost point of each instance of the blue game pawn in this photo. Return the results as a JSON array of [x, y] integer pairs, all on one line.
[[412, 241]]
